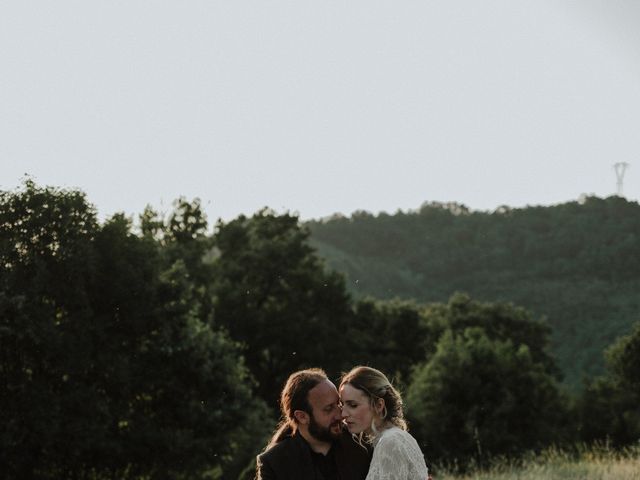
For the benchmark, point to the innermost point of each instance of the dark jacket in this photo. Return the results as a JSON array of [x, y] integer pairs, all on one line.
[[291, 459]]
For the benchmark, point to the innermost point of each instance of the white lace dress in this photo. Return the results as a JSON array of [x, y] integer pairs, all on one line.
[[396, 456]]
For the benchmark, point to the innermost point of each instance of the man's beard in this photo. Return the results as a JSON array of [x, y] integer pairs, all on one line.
[[324, 434]]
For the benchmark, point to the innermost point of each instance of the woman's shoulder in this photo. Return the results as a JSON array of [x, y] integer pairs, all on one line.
[[397, 451], [391, 432], [395, 434]]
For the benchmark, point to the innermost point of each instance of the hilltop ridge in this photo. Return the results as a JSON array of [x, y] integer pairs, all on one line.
[[577, 264]]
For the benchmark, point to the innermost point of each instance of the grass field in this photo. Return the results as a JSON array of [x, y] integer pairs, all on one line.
[[601, 464]]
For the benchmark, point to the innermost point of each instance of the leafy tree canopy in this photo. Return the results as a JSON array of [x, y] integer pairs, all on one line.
[[273, 294], [479, 397], [107, 365], [610, 406]]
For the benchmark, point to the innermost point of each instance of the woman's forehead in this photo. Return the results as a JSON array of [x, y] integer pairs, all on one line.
[[348, 392]]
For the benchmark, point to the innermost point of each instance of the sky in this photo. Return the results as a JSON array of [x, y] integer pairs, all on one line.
[[319, 107]]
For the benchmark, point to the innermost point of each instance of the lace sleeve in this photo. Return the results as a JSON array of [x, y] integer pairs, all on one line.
[[397, 456]]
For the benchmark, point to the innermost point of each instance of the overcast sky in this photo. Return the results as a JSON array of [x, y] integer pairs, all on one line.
[[321, 106]]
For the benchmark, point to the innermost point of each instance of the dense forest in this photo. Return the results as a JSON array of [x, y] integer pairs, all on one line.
[[156, 347], [577, 265]]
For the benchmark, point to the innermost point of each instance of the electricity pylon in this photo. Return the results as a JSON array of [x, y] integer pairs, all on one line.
[[620, 168]]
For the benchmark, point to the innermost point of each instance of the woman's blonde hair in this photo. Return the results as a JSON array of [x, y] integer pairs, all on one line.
[[375, 385]]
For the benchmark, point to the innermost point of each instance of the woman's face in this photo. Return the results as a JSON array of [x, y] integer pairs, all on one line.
[[357, 412]]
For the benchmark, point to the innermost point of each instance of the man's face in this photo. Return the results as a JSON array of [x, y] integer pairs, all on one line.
[[325, 421]]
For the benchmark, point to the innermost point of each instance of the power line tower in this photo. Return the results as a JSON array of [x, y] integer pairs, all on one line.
[[620, 168]]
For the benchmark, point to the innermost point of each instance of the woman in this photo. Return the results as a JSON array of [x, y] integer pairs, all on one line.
[[372, 409]]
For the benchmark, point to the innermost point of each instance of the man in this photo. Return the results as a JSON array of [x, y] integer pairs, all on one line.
[[310, 443]]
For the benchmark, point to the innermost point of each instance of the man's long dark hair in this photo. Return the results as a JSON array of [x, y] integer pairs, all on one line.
[[294, 397]]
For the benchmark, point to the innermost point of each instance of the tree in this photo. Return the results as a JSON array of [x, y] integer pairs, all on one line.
[[182, 236], [108, 367], [390, 335], [478, 397], [610, 404], [499, 321], [273, 294], [46, 258], [623, 359]]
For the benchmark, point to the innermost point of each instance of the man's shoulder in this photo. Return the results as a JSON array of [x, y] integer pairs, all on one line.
[[347, 444], [286, 460], [290, 458], [288, 446], [282, 449], [352, 458]]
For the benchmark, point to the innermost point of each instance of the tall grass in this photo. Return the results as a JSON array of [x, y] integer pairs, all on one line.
[[594, 463]]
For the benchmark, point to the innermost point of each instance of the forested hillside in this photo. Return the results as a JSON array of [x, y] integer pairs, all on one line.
[[157, 349], [577, 264]]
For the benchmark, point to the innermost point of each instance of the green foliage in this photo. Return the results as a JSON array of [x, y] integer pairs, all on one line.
[[182, 237], [391, 335], [273, 294], [108, 367], [577, 264], [499, 321], [486, 385], [479, 397], [609, 412], [159, 352], [623, 358], [610, 406], [247, 442]]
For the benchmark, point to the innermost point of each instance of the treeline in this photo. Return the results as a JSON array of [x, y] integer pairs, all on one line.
[[156, 349], [577, 264]]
